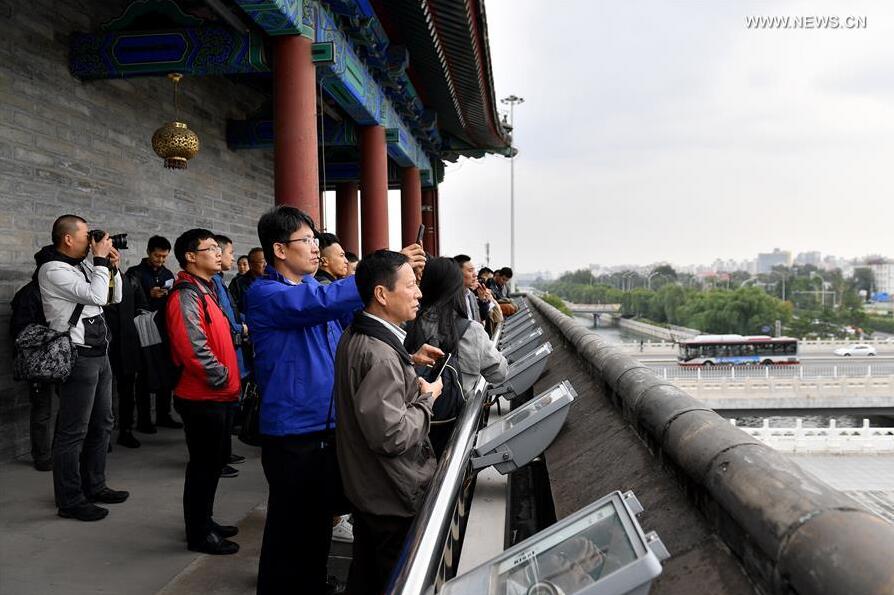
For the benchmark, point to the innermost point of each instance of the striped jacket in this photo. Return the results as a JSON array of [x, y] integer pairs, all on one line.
[[201, 343]]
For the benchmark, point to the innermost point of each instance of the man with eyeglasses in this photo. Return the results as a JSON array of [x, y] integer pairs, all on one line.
[[202, 346], [296, 324]]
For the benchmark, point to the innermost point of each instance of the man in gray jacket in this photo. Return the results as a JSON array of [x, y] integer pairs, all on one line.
[[84, 423], [383, 411]]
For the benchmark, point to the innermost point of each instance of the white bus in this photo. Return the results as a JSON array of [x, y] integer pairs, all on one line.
[[737, 350]]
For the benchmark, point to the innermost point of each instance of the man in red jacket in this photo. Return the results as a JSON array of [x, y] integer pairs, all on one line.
[[202, 346]]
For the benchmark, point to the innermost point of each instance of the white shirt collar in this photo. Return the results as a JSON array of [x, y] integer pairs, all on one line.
[[400, 333]]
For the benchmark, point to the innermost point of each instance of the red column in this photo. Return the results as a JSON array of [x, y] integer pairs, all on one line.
[[428, 218], [347, 218], [410, 204], [373, 189], [295, 179]]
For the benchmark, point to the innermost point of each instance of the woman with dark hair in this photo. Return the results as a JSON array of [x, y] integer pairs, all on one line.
[[442, 322]]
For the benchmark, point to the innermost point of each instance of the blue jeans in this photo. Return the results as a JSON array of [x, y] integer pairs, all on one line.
[[83, 428]]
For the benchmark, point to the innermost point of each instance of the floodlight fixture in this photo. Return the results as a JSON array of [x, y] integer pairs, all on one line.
[[599, 550], [522, 374], [514, 439]]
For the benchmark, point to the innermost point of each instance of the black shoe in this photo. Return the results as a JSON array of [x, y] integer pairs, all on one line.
[[84, 512], [236, 459], [214, 544], [146, 429], [228, 471], [126, 439], [44, 465], [225, 530], [334, 586], [166, 421], [109, 496]]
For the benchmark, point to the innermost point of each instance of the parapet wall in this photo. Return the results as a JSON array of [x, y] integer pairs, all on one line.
[[791, 532]]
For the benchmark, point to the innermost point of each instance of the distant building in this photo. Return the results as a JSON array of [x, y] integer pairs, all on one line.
[[767, 260], [884, 276], [814, 258]]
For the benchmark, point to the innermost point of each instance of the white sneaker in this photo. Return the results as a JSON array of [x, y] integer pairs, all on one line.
[[343, 531]]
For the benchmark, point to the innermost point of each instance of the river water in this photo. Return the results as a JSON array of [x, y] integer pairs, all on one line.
[[617, 335]]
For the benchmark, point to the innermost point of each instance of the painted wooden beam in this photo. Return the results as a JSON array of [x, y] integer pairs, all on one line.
[[350, 84], [207, 50], [257, 133], [280, 17]]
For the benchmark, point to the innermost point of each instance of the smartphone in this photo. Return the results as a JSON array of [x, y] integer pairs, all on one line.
[[437, 369], [421, 234]]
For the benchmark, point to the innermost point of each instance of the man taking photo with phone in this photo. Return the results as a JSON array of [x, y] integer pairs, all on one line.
[[383, 411]]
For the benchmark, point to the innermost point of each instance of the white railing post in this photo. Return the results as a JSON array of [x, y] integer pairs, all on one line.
[[732, 372], [835, 371], [698, 373], [801, 372], [766, 371], [869, 370], [665, 373]]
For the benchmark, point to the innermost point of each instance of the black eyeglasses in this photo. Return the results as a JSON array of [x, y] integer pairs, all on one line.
[[212, 249]]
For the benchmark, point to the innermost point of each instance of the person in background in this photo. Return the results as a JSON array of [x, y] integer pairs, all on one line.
[[26, 308], [352, 262], [442, 322], [68, 283], [384, 411], [125, 354], [156, 281], [239, 331], [240, 284], [478, 298], [242, 265], [333, 263], [202, 345]]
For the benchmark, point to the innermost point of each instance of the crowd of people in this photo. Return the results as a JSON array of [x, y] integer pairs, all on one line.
[[337, 348]]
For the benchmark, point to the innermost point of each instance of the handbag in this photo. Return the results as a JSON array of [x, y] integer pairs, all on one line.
[[45, 355], [250, 432]]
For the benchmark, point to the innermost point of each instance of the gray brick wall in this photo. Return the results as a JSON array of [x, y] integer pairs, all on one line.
[[68, 146]]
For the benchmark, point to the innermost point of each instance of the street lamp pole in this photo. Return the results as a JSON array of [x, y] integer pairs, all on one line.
[[511, 101]]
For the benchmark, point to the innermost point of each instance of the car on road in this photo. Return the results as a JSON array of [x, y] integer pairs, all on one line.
[[857, 349]]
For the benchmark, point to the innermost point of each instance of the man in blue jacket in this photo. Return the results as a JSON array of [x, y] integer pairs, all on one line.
[[295, 325]]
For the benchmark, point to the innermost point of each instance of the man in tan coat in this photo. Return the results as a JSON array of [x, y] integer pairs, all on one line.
[[383, 411]]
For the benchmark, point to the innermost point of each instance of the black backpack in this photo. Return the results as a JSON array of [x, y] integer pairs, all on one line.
[[27, 308], [452, 400]]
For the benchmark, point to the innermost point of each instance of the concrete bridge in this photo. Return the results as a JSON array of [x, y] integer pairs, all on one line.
[[594, 308], [869, 395]]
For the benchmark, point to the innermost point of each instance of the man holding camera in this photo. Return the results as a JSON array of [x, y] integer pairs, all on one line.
[[69, 282]]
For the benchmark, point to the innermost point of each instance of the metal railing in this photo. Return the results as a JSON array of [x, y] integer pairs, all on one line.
[[431, 551], [882, 369]]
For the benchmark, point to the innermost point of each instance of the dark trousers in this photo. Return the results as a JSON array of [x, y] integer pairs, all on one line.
[[305, 491], [83, 427], [126, 399], [377, 545], [205, 426], [40, 395], [144, 405]]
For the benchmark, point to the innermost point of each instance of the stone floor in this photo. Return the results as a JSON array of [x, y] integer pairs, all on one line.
[[140, 547]]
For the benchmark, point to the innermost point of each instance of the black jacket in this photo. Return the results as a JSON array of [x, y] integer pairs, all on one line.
[[147, 277], [125, 353]]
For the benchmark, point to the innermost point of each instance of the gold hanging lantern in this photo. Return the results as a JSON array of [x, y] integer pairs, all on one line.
[[174, 141]]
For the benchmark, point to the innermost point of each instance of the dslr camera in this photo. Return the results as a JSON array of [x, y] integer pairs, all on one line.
[[119, 241]]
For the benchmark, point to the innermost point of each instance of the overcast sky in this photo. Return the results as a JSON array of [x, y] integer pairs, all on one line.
[[656, 130]]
